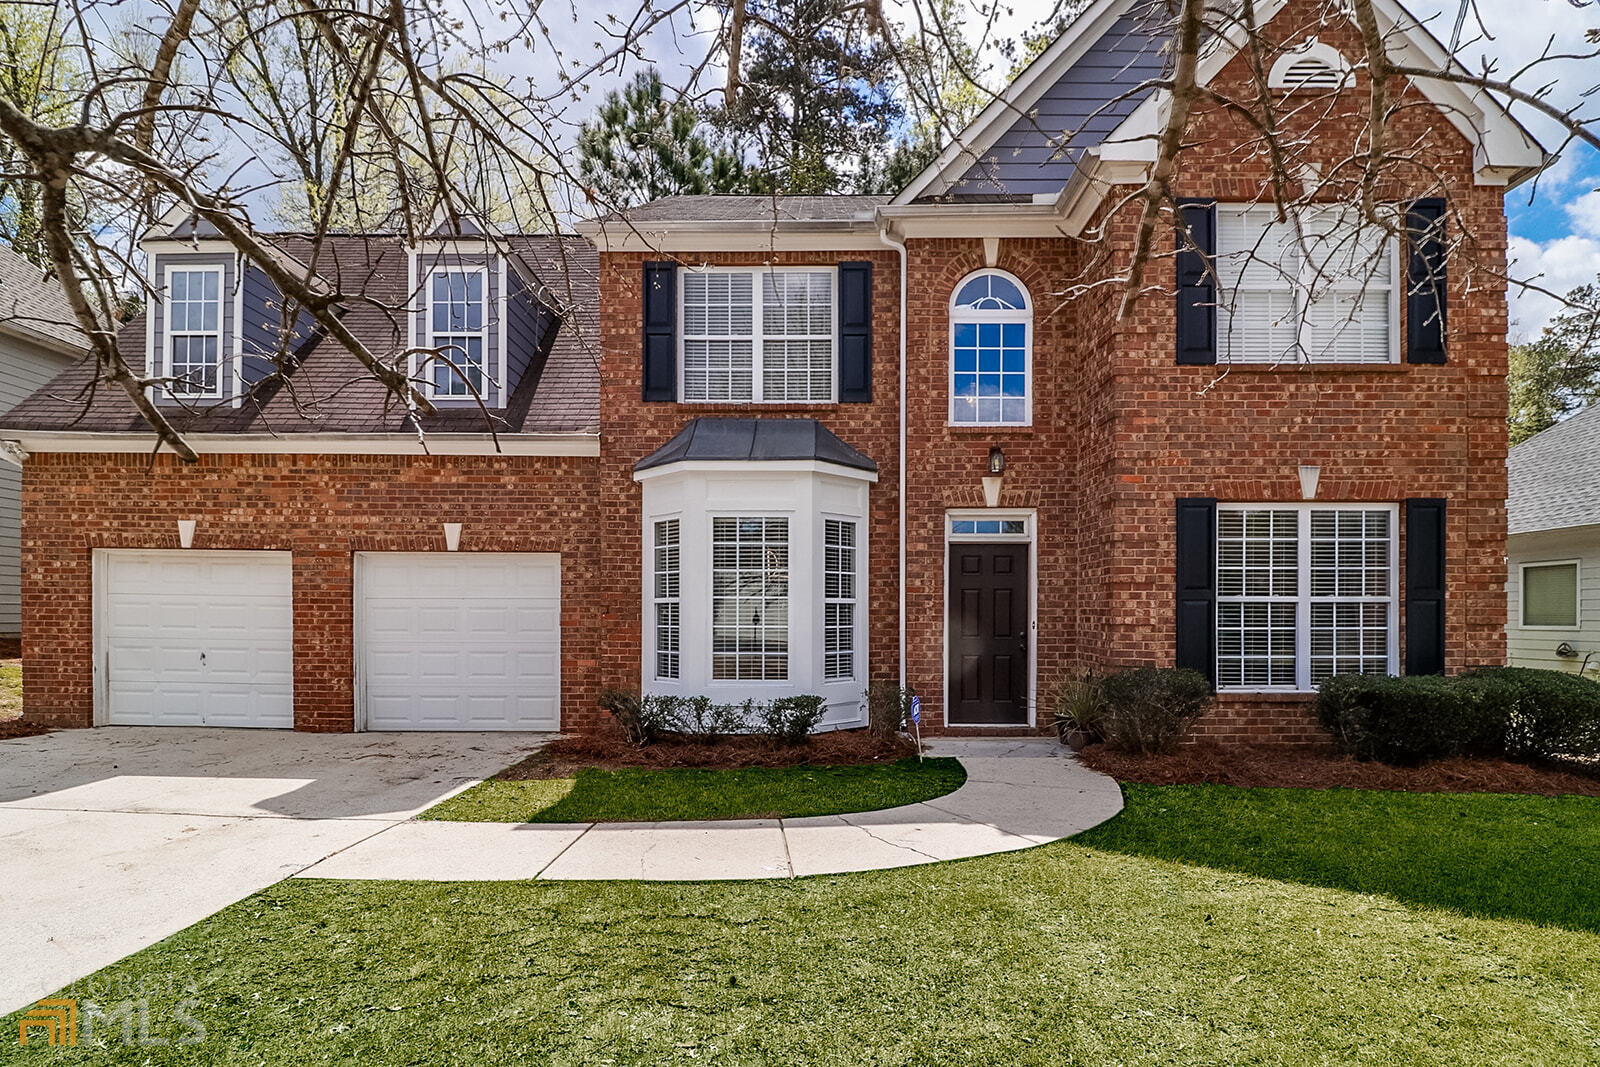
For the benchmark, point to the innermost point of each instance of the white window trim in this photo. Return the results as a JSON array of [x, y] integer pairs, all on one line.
[[758, 333], [709, 550], [854, 599], [1304, 282], [220, 333], [656, 600], [1024, 316], [1303, 598], [1522, 593], [1029, 537], [490, 390]]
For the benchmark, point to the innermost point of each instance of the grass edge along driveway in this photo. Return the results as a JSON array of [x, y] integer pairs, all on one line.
[[649, 794], [1085, 951]]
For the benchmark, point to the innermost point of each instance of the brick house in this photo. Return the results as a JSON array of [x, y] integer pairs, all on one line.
[[752, 446]]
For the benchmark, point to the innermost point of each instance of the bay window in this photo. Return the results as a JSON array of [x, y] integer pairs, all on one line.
[[1304, 592], [1318, 287], [749, 599]]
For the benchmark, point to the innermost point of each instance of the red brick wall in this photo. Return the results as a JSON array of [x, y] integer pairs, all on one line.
[[632, 429], [321, 508]]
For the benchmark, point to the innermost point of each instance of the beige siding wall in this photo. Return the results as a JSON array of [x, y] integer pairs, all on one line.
[[1537, 647], [24, 368]]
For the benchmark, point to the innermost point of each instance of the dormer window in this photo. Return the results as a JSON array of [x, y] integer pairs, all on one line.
[[194, 332], [458, 332]]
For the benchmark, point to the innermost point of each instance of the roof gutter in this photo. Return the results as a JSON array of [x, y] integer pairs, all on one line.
[[357, 444]]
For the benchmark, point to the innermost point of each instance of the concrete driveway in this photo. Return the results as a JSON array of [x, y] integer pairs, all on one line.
[[112, 839]]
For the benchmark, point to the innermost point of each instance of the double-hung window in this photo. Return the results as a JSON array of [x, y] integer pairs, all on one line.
[[1318, 287], [838, 600], [991, 327], [1304, 592], [668, 599], [458, 329], [749, 599], [758, 336], [194, 331]]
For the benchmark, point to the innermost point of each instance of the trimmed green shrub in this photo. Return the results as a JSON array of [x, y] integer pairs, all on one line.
[[1491, 711], [1147, 710], [790, 720]]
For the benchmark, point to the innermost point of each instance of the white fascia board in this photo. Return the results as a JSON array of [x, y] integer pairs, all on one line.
[[1015, 101], [754, 467], [53, 345], [756, 235], [347, 444], [973, 220]]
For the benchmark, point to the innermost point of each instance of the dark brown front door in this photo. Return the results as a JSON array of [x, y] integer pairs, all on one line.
[[988, 628]]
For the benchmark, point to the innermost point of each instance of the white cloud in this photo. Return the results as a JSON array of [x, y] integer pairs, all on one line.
[[1557, 266], [1584, 211]]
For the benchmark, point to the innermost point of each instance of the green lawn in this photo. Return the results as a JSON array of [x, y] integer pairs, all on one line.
[[637, 794], [1089, 951]]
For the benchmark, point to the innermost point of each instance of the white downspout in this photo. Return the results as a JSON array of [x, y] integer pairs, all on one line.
[[900, 246]]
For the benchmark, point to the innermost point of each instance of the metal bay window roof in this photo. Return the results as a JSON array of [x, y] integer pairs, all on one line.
[[722, 440]]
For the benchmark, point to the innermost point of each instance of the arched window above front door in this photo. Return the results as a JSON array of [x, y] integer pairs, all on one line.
[[991, 351]]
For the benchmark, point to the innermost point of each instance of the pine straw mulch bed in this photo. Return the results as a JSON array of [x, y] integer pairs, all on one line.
[[1252, 766], [10, 728], [566, 756]]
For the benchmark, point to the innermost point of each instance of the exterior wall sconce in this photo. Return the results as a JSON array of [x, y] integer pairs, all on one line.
[[992, 480], [452, 536], [185, 533], [1308, 482]]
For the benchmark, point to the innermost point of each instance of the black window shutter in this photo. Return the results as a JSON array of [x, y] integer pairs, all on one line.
[[1197, 291], [1197, 585], [1425, 518], [855, 333], [1425, 282], [660, 331]]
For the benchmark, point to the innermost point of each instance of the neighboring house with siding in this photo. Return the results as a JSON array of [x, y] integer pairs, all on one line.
[[39, 338], [1553, 548], [745, 447]]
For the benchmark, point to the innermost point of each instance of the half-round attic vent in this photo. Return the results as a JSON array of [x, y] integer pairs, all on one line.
[[1313, 65]]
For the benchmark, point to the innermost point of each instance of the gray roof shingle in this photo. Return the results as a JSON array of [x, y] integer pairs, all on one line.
[[718, 208], [1555, 476], [34, 307], [328, 390]]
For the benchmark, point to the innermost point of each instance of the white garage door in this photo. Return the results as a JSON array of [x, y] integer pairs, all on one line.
[[194, 638], [468, 641]]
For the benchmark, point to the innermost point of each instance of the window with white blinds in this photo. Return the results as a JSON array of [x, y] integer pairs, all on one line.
[[758, 336], [1314, 288], [668, 602], [1304, 592]]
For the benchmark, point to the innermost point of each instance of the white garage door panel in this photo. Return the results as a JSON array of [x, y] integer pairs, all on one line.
[[194, 638], [460, 642]]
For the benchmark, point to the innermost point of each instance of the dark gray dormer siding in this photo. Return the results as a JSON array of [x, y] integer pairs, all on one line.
[[262, 328], [1038, 152], [159, 350], [529, 325], [427, 263]]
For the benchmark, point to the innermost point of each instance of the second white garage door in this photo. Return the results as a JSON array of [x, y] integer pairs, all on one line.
[[468, 641]]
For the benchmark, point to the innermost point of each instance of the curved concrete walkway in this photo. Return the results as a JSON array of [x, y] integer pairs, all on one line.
[[1018, 793]]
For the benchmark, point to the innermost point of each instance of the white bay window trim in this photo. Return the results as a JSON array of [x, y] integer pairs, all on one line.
[[1299, 603], [806, 497], [1276, 305], [695, 381]]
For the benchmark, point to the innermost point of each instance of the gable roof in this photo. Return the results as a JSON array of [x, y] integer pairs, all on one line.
[[1091, 73], [329, 391], [1073, 94], [1555, 477], [33, 307]]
